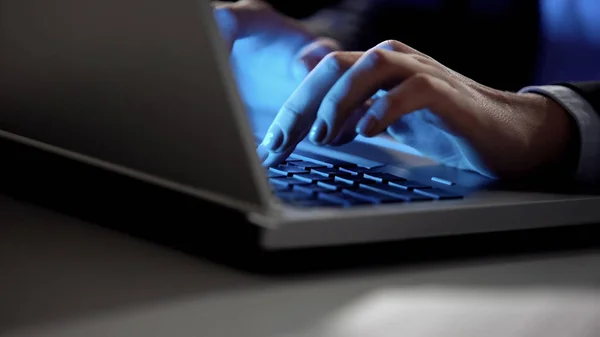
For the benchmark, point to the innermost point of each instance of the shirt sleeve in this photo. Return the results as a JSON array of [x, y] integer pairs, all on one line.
[[588, 123]]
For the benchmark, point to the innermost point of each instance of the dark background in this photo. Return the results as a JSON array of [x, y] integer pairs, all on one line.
[[507, 44]]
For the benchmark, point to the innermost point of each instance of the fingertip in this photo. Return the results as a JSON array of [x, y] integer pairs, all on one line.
[[274, 139], [263, 153], [367, 126], [318, 133], [374, 120], [273, 159]]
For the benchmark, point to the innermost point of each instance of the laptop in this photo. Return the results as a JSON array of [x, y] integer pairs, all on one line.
[[143, 88]]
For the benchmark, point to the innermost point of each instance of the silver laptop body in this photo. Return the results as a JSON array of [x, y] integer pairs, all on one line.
[[144, 88]]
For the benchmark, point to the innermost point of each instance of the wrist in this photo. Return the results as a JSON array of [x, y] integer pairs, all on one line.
[[556, 135]]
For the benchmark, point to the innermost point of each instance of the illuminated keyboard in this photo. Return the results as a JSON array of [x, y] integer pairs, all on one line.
[[340, 184]]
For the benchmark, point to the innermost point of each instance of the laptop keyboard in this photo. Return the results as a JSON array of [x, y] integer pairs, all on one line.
[[340, 184]]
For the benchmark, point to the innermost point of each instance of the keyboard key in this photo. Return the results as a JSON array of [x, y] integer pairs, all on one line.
[[408, 184], [383, 177], [306, 165], [335, 185], [327, 171], [354, 180], [442, 181], [397, 192], [286, 182], [294, 196], [271, 174], [438, 193], [358, 170], [342, 199], [322, 182], [310, 189], [312, 177], [287, 170], [372, 196]]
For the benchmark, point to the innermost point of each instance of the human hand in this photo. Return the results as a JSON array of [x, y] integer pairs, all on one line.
[[440, 113], [270, 53]]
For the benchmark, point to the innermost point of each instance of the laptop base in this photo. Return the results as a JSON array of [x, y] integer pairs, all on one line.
[[210, 231]]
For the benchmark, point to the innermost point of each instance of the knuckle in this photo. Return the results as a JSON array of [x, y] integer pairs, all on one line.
[[293, 118], [331, 104], [377, 57], [289, 109], [397, 46], [424, 82], [332, 108], [336, 61], [389, 44]]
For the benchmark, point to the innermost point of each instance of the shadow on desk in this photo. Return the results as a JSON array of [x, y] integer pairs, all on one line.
[[59, 269]]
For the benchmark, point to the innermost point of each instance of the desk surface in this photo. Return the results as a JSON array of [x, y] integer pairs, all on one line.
[[63, 277]]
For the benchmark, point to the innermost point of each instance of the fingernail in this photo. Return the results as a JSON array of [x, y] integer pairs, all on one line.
[[263, 153], [318, 132], [366, 125], [273, 139]]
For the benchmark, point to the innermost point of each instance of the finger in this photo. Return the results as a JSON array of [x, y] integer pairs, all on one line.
[[270, 158], [298, 112], [419, 56], [421, 91], [348, 130], [376, 69], [310, 55], [240, 19], [314, 52]]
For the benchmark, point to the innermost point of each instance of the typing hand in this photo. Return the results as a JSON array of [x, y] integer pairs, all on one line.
[[270, 53], [439, 112]]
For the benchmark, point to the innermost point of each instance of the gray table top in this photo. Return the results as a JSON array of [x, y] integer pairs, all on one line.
[[64, 277]]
